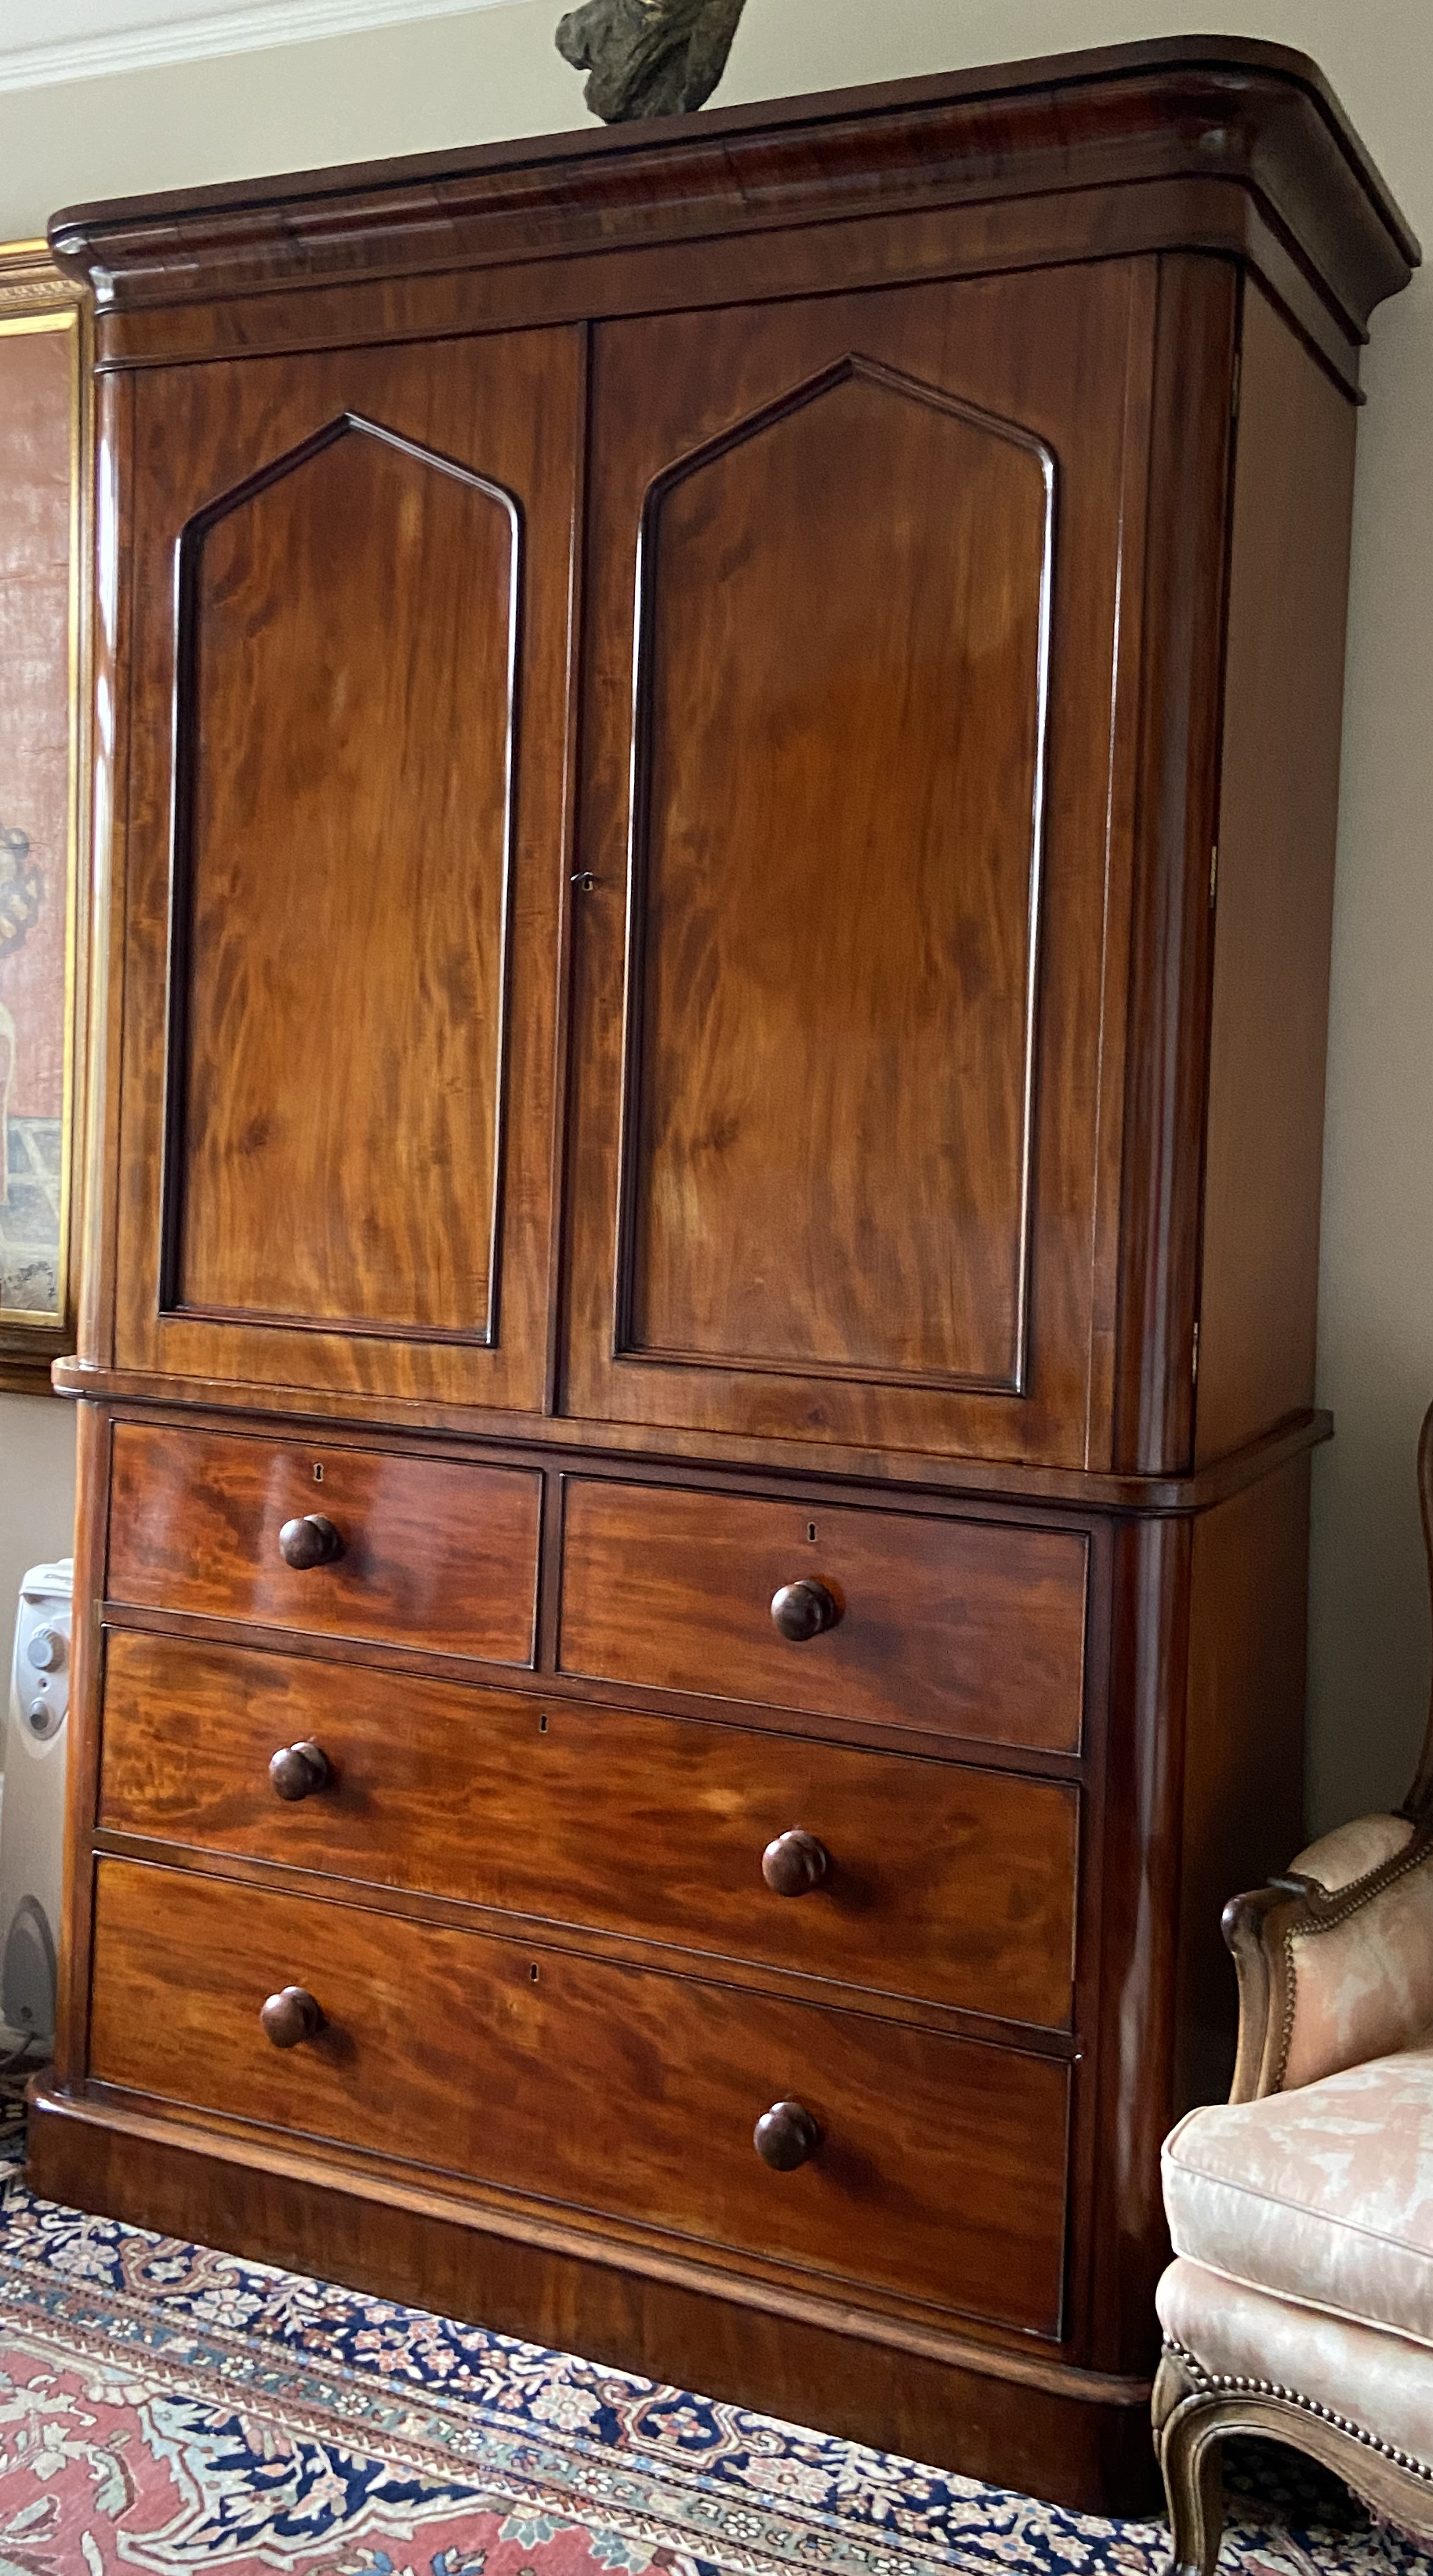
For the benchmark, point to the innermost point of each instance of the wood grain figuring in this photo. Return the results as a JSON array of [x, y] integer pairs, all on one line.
[[606, 2091], [353, 1156], [1278, 822], [786, 1301], [833, 1221], [913, 1479], [1060, 228], [1198, 135], [951, 1884], [833, 1049], [434, 1554], [357, 592], [962, 1627], [970, 2400]]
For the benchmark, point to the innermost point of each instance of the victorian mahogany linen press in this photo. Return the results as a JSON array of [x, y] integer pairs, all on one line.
[[717, 750]]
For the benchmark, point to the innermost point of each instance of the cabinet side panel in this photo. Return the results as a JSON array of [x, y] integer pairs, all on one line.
[[1138, 1864], [1176, 813], [1288, 597], [1244, 1748]]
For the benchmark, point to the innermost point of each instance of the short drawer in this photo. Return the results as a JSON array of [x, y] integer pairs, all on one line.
[[961, 1628], [435, 1553], [619, 2093], [936, 1880]]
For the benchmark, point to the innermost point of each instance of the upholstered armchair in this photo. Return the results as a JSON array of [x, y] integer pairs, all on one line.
[[1300, 2304]]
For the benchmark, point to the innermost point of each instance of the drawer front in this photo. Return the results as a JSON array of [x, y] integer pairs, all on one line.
[[965, 1628], [940, 1882], [940, 2175], [435, 1554]]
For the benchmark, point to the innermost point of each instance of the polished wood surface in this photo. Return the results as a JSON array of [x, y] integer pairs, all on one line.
[[1238, 145], [906, 1473], [310, 1540], [299, 1771], [358, 588], [795, 1862], [802, 1610], [1244, 1748], [786, 2137], [341, 972], [871, 864], [759, 1130], [1163, 1064], [952, 1884], [900, 1609], [1278, 817], [290, 2017], [960, 1627], [998, 2405], [433, 1554], [941, 2172]]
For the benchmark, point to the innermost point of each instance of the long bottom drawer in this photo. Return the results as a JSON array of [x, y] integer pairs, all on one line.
[[939, 2171]]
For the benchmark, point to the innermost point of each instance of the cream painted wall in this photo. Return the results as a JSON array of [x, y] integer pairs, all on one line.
[[37, 1498], [493, 74]]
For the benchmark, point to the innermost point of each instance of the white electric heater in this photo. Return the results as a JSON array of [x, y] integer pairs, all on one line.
[[33, 1807]]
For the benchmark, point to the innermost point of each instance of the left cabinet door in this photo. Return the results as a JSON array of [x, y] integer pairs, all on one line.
[[344, 866]]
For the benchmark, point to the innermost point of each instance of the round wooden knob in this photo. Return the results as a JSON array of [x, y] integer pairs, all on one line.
[[311, 1541], [785, 2136], [298, 1769], [291, 2016], [794, 1863], [803, 1610]]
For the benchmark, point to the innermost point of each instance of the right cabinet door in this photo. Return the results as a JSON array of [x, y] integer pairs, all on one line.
[[844, 1152]]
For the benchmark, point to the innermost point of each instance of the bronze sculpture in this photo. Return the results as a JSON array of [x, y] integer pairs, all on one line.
[[649, 57]]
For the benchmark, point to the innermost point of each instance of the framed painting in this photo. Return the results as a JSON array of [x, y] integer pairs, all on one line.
[[44, 639]]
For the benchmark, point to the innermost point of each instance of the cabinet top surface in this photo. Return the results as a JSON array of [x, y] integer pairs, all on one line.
[[1205, 111]]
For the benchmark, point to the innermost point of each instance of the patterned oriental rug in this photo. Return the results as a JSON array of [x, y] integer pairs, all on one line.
[[164, 2407]]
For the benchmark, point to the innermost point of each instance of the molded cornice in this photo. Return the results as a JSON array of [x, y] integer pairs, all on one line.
[[1205, 143]]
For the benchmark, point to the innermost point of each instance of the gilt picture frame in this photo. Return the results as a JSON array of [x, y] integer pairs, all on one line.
[[46, 443]]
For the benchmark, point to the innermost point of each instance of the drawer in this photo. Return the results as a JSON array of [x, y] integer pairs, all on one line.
[[940, 2175], [964, 1628], [435, 1553], [940, 1881]]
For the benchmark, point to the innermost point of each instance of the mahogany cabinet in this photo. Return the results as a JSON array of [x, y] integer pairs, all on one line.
[[717, 763]]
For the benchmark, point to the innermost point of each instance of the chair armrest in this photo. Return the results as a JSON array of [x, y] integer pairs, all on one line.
[[1335, 1961]]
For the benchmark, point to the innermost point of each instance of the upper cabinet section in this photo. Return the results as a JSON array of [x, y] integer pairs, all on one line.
[[663, 720], [853, 605], [345, 869]]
